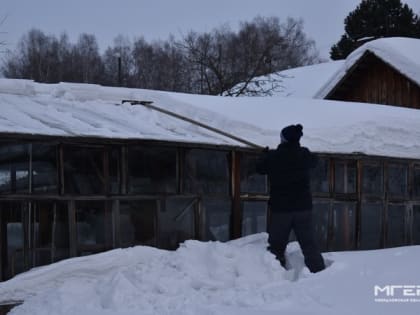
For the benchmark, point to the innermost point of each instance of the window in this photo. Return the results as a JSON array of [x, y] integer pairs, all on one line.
[[138, 223], [396, 225], [416, 181], [397, 180], [44, 168], [206, 172], [320, 176], [254, 217], [50, 232], [217, 216], [152, 170], [177, 222], [372, 181], [344, 223], [83, 170], [14, 168], [251, 181], [371, 225], [12, 238], [321, 211], [114, 185], [345, 177], [416, 225], [93, 227]]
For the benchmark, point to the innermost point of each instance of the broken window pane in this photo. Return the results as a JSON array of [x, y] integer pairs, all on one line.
[[396, 225], [320, 176], [416, 225], [93, 227], [251, 181], [397, 180], [83, 170], [321, 216], [371, 226], [138, 223], [177, 222], [217, 214], [254, 217], [344, 225], [14, 168], [44, 168], [206, 171], [345, 177], [152, 170], [372, 181]]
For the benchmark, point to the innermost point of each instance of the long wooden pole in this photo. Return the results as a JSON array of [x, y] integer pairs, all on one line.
[[148, 104]]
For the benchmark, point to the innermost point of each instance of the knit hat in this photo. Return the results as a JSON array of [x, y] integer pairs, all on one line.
[[292, 133]]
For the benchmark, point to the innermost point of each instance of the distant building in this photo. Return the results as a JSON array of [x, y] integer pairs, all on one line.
[[82, 173]]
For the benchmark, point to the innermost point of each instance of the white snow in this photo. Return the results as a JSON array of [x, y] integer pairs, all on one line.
[[237, 277], [401, 53], [85, 110], [297, 82]]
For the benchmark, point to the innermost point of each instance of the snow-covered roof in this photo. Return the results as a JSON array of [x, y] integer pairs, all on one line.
[[296, 82], [83, 110], [399, 52]]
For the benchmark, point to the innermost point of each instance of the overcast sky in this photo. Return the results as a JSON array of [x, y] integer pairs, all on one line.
[[157, 19]]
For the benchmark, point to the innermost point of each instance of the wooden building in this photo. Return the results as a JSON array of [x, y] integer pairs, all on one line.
[[81, 174], [384, 71]]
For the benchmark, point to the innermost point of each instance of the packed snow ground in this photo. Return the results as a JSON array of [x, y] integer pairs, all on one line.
[[237, 277]]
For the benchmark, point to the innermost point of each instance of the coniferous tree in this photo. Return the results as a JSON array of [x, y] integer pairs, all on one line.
[[374, 19]]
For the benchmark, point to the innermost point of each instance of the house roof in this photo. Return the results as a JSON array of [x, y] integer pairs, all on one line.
[[400, 53], [298, 82], [84, 110]]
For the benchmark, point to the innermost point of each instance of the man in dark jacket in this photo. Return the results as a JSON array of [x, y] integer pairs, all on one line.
[[288, 169]]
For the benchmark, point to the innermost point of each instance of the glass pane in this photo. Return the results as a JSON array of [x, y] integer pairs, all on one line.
[[416, 182], [254, 217], [14, 168], [83, 170], [397, 180], [42, 229], [251, 181], [416, 225], [114, 171], [371, 226], [344, 225], [177, 222], [372, 181], [138, 223], [152, 170], [61, 232], [12, 237], [44, 168], [345, 177], [321, 216], [320, 176], [217, 214], [93, 225], [206, 171], [396, 225]]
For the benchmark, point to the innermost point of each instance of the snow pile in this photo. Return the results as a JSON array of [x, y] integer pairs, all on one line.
[[237, 277], [399, 52]]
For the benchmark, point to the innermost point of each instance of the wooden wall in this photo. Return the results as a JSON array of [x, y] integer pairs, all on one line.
[[373, 81]]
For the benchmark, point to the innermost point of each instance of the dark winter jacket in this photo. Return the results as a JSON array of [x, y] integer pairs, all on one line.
[[288, 169]]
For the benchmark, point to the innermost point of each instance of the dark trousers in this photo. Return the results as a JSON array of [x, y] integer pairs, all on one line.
[[281, 224]]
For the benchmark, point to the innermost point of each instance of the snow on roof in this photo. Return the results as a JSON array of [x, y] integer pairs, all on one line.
[[83, 110], [399, 52], [299, 82]]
